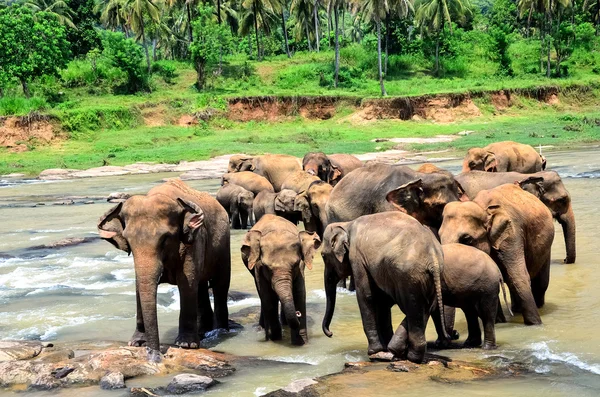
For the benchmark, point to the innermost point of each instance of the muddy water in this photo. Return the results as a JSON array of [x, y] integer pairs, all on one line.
[[86, 292]]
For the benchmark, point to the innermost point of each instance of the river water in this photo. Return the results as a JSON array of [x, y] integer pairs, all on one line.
[[87, 292]]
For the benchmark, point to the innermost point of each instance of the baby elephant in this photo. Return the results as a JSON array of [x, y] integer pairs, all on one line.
[[237, 201], [471, 281], [275, 253]]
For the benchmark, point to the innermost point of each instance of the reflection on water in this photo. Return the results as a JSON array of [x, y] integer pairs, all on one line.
[[87, 292]]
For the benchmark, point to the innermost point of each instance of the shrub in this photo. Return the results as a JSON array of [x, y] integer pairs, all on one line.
[[127, 56], [166, 70], [18, 106]]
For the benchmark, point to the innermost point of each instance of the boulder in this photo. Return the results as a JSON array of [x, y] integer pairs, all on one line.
[[112, 381], [11, 350], [189, 383], [117, 197]]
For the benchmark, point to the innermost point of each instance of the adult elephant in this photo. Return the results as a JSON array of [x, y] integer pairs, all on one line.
[[312, 205], [238, 203], [274, 167], [380, 187], [394, 260], [248, 180], [299, 181], [330, 168], [280, 204], [545, 185], [178, 236], [504, 157], [516, 230], [275, 253]]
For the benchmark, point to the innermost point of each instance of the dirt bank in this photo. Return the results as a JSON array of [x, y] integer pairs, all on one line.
[[17, 132]]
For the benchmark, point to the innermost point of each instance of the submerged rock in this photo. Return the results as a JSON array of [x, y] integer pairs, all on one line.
[[190, 383]]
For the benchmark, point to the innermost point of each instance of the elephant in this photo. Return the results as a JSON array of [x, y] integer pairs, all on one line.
[[504, 157], [275, 253], [311, 204], [248, 180], [545, 185], [280, 204], [516, 230], [299, 181], [330, 168], [178, 236], [238, 202], [429, 168], [471, 281], [380, 187], [394, 260], [240, 163]]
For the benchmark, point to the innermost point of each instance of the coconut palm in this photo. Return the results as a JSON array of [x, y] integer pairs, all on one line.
[[260, 14], [375, 11], [593, 7], [113, 14], [302, 10], [316, 16], [137, 10], [433, 15], [398, 9], [58, 8], [335, 6]]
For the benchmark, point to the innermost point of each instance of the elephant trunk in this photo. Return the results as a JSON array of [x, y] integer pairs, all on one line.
[[567, 221], [331, 280], [283, 288], [321, 222], [147, 273]]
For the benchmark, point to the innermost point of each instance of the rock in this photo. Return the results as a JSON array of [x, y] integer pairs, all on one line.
[[61, 372], [55, 355], [107, 170], [66, 202], [12, 350], [117, 197], [88, 202], [190, 383], [206, 362], [143, 392], [54, 174], [66, 242], [112, 381], [13, 175], [298, 385]]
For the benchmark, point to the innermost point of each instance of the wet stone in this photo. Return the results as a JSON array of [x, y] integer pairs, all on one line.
[[112, 381], [190, 383]]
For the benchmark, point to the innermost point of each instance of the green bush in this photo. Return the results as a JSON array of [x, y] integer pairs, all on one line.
[[298, 75], [166, 70], [79, 122], [19, 106], [525, 55], [127, 56]]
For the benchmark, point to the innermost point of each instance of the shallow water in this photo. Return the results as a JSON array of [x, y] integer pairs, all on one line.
[[87, 292]]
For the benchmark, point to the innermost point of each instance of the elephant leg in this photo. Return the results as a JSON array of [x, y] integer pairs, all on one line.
[[269, 303], [220, 292], [488, 309], [300, 336], [520, 287], [539, 285], [188, 337], [500, 317], [205, 312], [244, 219], [399, 343], [417, 317], [351, 286], [383, 312], [474, 338], [342, 283], [139, 335], [366, 304], [449, 317]]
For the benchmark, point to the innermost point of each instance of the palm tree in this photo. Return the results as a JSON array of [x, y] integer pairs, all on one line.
[[399, 9], [316, 15], [58, 8], [433, 15], [137, 10], [284, 28], [258, 13], [302, 12], [375, 11], [335, 6], [113, 14], [593, 7]]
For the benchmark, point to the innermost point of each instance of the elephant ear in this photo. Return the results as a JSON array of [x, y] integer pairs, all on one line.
[[499, 226], [533, 185], [193, 218], [543, 162], [310, 242], [110, 228], [339, 243], [251, 249], [462, 195], [279, 204], [334, 174], [245, 164], [490, 162], [302, 205], [408, 197], [224, 180]]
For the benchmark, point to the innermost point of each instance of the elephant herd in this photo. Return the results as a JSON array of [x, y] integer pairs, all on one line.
[[425, 240]]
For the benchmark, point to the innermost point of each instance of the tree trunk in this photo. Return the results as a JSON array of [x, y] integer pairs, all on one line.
[[219, 12], [529, 21], [221, 47], [189, 17], [145, 45], [337, 46], [285, 36], [201, 75], [387, 41], [249, 45], [316, 12], [26, 91], [308, 38], [344, 21], [557, 47], [437, 54], [256, 32], [154, 50], [549, 44], [383, 93]]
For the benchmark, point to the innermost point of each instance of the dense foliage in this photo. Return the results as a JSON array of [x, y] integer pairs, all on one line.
[[115, 46]]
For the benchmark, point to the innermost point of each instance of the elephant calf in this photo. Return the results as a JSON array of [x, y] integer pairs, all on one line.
[[280, 204], [503, 157], [471, 281], [275, 253], [238, 202]]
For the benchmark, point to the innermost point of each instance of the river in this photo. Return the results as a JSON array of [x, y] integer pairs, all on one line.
[[87, 292]]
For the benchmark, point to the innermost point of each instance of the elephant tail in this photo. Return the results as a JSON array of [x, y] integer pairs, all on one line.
[[504, 295], [436, 272]]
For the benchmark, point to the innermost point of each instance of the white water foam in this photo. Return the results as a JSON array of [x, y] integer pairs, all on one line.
[[244, 302], [320, 293], [295, 359], [542, 352]]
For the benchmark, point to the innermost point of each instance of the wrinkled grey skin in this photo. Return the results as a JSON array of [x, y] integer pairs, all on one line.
[[394, 260], [248, 180], [545, 185], [330, 168], [312, 205], [179, 236], [504, 157], [516, 230], [274, 167], [471, 281], [275, 253], [380, 187], [280, 204], [238, 202]]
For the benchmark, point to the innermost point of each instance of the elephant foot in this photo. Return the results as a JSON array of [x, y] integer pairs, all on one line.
[[382, 356], [442, 343], [489, 346], [138, 339], [416, 356], [471, 343], [569, 260], [375, 348], [454, 335], [187, 341]]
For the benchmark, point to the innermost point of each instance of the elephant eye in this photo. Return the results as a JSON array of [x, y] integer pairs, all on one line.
[[466, 239]]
